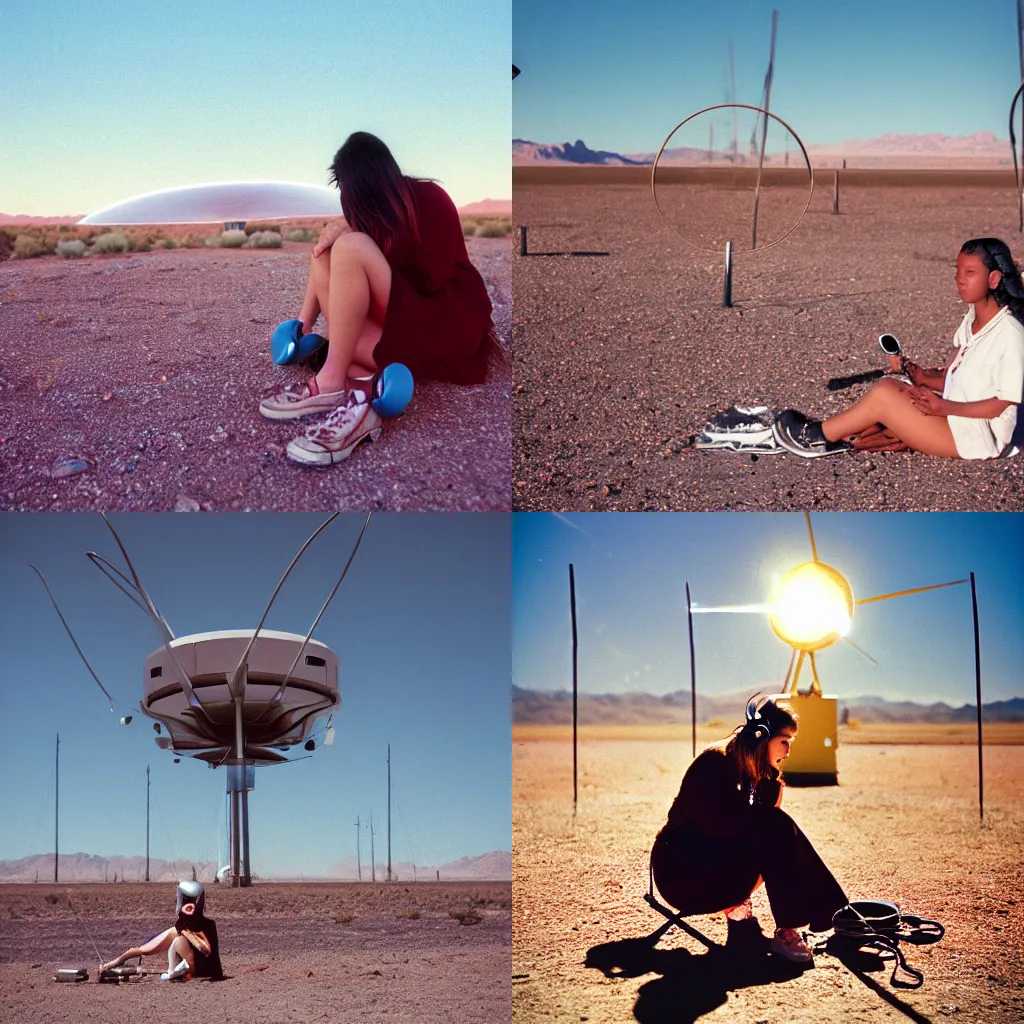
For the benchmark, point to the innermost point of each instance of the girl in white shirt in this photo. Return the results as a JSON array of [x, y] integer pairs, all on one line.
[[967, 410]]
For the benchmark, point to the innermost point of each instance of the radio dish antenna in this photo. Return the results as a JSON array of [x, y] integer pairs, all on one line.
[[239, 698]]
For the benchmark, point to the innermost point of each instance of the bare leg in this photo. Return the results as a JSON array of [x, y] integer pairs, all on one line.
[[351, 284], [888, 403], [180, 949], [157, 944]]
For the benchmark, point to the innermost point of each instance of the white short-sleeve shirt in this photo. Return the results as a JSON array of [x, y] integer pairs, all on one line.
[[989, 364]]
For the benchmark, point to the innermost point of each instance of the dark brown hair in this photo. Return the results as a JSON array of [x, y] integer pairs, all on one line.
[[748, 744], [376, 198]]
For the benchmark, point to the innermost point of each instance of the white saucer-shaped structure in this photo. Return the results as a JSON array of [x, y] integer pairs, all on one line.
[[222, 201], [216, 727]]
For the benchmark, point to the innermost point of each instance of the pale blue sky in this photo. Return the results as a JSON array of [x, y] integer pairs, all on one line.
[[105, 99], [421, 627], [631, 570], [622, 75]]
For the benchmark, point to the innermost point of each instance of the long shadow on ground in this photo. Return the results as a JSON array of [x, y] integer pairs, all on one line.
[[690, 985]]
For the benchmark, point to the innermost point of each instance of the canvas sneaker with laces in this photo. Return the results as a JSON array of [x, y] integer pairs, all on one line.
[[788, 943], [804, 437], [334, 438]]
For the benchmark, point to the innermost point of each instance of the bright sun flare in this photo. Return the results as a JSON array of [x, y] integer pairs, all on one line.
[[811, 606]]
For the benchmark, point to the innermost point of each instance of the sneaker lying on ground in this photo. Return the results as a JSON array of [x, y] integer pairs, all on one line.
[[739, 429], [788, 943], [334, 437], [804, 437]]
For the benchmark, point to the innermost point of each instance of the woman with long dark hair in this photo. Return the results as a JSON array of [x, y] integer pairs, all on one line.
[[967, 410], [393, 280], [726, 832]]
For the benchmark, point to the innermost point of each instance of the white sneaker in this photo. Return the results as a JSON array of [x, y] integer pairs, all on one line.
[[334, 438], [788, 943]]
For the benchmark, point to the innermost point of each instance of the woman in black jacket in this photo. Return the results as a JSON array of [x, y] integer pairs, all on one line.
[[726, 833]]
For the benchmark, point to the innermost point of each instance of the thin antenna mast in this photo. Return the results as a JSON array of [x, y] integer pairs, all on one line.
[[732, 99], [764, 127], [359, 855], [147, 823], [389, 812], [373, 856], [56, 806]]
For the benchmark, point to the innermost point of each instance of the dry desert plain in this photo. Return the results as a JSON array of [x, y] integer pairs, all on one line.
[[149, 368], [292, 952], [620, 359], [902, 825]]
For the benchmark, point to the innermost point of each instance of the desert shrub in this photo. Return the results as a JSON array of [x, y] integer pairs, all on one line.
[[265, 240], [71, 247], [465, 915], [715, 723], [494, 229], [233, 239], [27, 247], [343, 917], [6, 244], [408, 915], [256, 227], [168, 243], [52, 898], [301, 235], [192, 241], [139, 243], [853, 723], [468, 228], [112, 241]]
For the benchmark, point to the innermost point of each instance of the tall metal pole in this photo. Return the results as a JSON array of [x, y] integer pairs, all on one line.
[[977, 688], [575, 687], [389, 812], [56, 806], [693, 674], [359, 856], [147, 823], [373, 856], [764, 129]]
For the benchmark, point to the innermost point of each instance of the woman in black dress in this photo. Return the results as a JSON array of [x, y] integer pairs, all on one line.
[[191, 942], [726, 832]]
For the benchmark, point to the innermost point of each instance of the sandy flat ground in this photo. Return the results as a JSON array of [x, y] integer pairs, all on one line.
[[620, 359], [286, 955], [903, 825], [149, 367]]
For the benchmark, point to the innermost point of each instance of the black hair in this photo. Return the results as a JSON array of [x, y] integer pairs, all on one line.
[[995, 254]]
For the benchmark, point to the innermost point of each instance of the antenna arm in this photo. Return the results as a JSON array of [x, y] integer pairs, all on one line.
[[72, 636]]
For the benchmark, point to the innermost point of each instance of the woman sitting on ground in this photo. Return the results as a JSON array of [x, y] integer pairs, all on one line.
[[726, 832], [393, 280], [191, 942], [967, 410]]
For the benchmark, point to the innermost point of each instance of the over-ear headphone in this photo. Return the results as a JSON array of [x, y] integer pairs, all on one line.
[[756, 726]]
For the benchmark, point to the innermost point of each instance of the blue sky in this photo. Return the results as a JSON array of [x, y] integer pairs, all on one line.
[[421, 627], [105, 99], [631, 569], [622, 75]]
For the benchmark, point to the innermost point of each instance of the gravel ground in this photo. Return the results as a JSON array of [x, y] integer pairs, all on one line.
[[286, 957], [620, 359], [902, 825], [149, 367]]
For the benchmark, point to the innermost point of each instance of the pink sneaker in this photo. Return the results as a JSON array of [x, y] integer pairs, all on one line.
[[787, 943]]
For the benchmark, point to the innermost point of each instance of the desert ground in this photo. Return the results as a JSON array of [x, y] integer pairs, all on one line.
[[147, 369], [621, 358], [298, 952], [901, 825]]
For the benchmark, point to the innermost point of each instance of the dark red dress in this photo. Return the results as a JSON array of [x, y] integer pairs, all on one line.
[[439, 313]]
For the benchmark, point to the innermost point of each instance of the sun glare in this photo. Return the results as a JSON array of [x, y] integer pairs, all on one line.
[[811, 607]]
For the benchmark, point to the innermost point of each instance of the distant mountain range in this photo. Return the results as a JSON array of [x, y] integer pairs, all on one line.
[[555, 708], [87, 867], [918, 150]]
